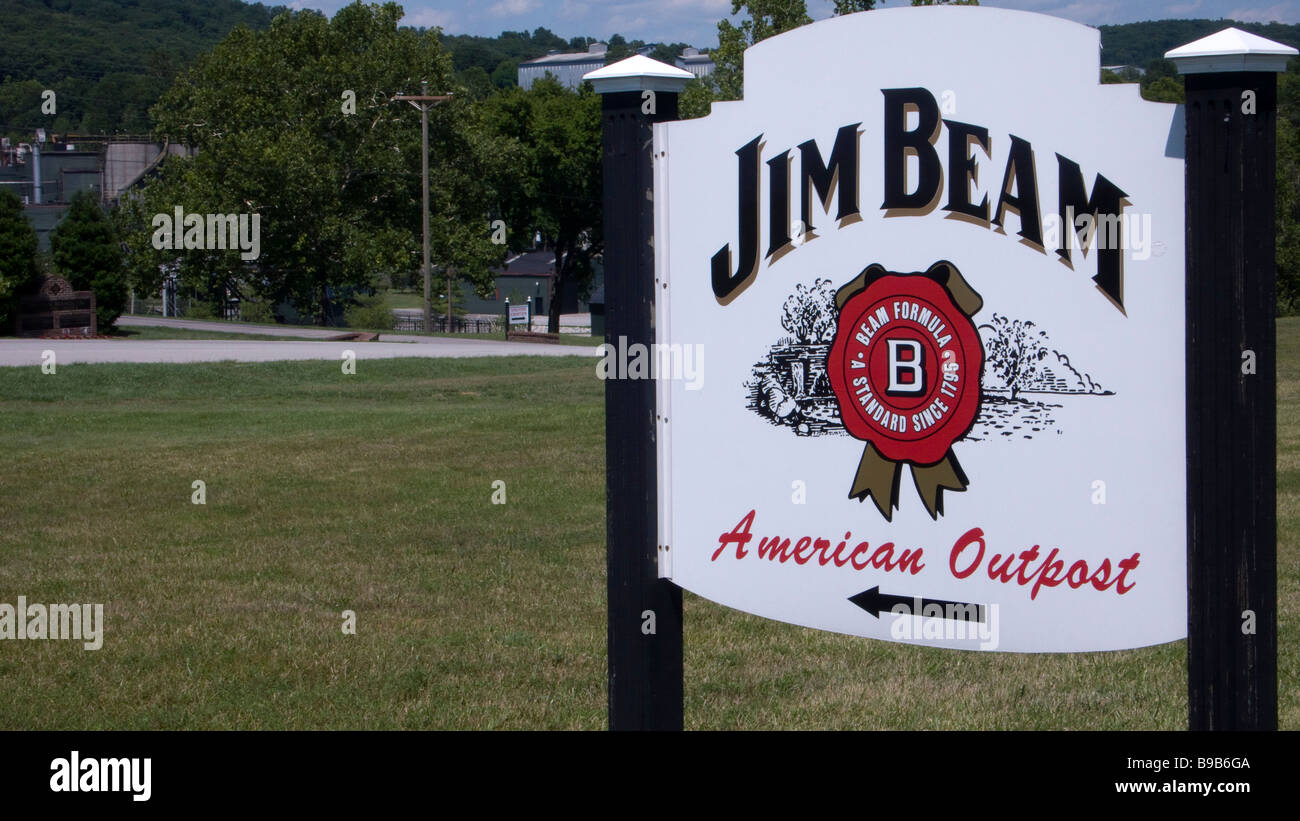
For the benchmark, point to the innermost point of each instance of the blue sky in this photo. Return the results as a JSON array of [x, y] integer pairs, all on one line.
[[695, 21]]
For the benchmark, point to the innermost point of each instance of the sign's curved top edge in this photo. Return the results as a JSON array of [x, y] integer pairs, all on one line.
[[857, 41], [877, 18]]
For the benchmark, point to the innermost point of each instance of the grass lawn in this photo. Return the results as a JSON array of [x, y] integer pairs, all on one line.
[[404, 299], [373, 493]]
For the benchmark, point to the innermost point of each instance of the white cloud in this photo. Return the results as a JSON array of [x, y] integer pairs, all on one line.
[[632, 27], [716, 6], [506, 8], [572, 8], [328, 8], [1089, 12], [665, 20], [1280, 12], [428, 18]]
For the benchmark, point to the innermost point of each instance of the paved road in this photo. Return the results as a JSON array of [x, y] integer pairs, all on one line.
[[24, 352]]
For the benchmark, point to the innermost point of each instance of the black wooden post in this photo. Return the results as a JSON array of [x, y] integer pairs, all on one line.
[[645, 612], [1231, 112]]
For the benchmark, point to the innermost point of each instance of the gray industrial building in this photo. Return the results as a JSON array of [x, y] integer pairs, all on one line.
[[695, 61], [46, 173]]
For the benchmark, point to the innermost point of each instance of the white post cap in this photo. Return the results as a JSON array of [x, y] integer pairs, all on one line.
[[1231, 50], [638, 73]]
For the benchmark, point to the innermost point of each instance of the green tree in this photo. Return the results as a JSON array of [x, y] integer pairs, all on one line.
[[1288, 189], [87, 253], [555, 186], [506, 74], [1163, 90], [1160, 67], [696, 100], [617, 48], [667, 53], [767, 18], [337, 193], [474, 83], [18, 244], [114, 58]]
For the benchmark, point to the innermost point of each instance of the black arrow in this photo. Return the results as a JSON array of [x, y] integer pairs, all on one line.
[[876, 603]]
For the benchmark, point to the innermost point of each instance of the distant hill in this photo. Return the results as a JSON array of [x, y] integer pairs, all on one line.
[[107, 60], [1137, 44]]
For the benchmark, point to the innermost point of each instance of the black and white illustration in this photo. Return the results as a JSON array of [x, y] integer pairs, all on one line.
[[1024, 381]]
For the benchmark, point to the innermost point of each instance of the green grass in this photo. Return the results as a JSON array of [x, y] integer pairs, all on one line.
[[403, 299], [325, 493], [373, 493]]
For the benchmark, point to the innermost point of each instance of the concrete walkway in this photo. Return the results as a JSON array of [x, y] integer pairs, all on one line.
[[227, 327], [30, 352], [567, 323]]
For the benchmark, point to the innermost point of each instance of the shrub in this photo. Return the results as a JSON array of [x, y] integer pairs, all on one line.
[[261, 312], [198, 309], [371, 313], [87, 253]]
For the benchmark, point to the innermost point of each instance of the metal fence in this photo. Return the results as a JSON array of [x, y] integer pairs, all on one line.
[[458, 325], [402, 321], [466, 325]]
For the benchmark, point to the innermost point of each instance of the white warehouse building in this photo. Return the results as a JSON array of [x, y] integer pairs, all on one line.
[[567, 68]]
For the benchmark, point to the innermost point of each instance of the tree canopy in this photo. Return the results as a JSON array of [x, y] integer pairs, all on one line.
[[337, 187], [555, 189], [18, 244]]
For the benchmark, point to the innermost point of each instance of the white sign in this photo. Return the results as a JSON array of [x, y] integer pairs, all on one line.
[[938, 269], [519, 314]]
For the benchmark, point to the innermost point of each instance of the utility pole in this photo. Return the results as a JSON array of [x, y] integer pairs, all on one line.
[[424, 102]]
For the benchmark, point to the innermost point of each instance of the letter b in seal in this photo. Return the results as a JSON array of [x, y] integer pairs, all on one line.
[[906, 367]]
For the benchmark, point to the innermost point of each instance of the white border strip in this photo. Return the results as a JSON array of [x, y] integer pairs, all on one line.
[[663, 387]]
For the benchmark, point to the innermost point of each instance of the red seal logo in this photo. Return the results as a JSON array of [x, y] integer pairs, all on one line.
[[905, 367]]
